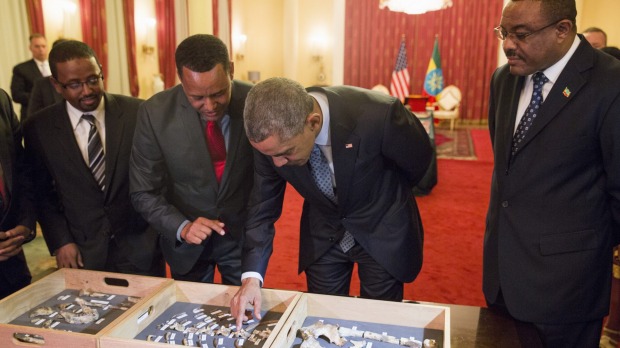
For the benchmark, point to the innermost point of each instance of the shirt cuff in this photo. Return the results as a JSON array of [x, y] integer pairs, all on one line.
[[256, 275], [180, 229]]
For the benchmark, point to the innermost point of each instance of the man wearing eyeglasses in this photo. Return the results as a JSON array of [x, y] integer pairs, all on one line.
[[554, 213], [79, 154]]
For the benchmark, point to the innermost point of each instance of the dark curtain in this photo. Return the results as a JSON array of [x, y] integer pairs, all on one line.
[[130, 39], [35, 16], [467, 46], [94, 30], [166, 42]]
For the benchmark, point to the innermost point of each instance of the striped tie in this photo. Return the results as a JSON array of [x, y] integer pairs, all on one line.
[[96, 158]]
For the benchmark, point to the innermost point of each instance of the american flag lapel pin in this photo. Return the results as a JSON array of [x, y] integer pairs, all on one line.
[[566, 92], [348, 146]]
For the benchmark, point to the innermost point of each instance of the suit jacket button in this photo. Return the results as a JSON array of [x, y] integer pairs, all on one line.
[[505, 204], [331, 239]]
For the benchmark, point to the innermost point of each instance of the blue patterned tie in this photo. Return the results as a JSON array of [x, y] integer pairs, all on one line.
[[531, 112], [96, 158], [323, 179]]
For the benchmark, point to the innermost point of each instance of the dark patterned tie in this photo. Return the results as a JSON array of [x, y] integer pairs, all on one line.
[[323, 179], [96, 158], [531, 112], [217, 148]]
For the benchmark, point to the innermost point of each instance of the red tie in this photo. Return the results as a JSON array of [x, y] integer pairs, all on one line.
[[217, 148]]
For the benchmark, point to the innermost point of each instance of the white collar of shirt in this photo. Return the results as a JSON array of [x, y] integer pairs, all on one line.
[[82, 128], [324, 137], [552, 73], [44, 67]]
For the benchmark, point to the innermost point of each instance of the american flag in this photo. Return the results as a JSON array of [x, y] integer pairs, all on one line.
[[399, 87]]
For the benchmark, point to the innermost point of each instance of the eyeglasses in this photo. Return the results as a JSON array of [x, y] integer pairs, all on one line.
[[503, 34], [92, 82]]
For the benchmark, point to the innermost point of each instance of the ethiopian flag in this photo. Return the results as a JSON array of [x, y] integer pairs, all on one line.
[[433, 83]]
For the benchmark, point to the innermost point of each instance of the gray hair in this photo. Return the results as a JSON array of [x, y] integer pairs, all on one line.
[[276, 107]]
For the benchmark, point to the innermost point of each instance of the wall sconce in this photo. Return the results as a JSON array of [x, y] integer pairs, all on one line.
[[239, 44], [148, 28], [146, 49], [254, 76], [317, 47]]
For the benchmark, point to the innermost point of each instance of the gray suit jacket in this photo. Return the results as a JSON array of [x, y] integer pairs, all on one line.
[[380, 151], [555, 207], [172, 178], [71, 207]]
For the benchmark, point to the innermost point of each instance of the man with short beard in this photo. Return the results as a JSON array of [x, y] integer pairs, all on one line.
[[79, 152]]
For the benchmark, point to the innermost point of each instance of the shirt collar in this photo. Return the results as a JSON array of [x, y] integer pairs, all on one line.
[[75, 115], [554, 71], [323, 138]]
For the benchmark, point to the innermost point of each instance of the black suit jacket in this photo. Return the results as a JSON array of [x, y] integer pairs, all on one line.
[[24, 76], [380, 151], [72, 208], [43, 94], [20, 211], [555, 207], [172, 177]]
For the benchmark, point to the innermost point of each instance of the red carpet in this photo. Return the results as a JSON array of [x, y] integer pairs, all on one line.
[[453, 216]]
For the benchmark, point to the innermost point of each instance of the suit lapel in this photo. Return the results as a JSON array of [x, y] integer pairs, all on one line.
[[345, 147], [114, 128], [194, 134], [557, 99], [66, 140], [515, 83], [236, 133], [5, 156]]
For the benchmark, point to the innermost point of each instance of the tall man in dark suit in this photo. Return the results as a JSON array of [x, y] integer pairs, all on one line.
[[17, 213], [360, 209], [43, 92], [554, 211], [26, 73], [191, 164], [79, 150]]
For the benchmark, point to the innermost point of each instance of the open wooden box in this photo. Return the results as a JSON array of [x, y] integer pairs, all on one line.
[[122, 335], [407, 315], [37, 293]]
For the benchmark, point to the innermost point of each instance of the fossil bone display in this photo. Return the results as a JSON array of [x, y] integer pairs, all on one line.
[[319, 329], [202, 326], [75, 310], [338, 335]]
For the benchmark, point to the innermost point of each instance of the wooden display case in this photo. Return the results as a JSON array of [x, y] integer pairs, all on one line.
[[407, 315], [148, 313], [41, 291]]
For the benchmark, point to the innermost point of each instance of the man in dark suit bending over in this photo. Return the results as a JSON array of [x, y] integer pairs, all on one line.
[[554, 213], [79, 150], [354, 155], [191, 164]]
